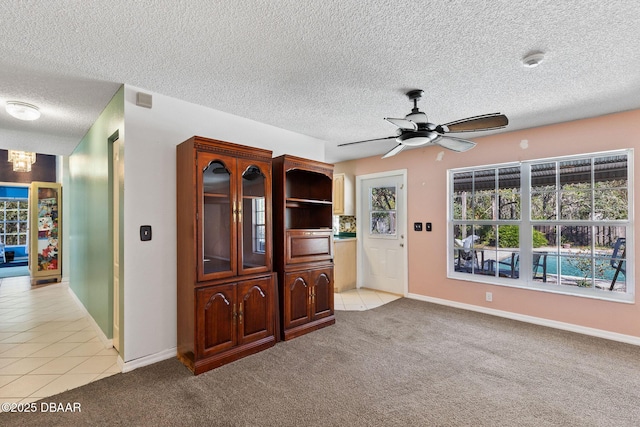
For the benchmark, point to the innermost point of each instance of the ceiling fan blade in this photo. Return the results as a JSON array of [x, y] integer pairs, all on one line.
[[367, 140], [476, 123], [454, 144], [395, 150], [402, 123]]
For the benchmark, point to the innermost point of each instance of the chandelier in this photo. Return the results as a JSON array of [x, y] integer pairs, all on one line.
[[22, 160]]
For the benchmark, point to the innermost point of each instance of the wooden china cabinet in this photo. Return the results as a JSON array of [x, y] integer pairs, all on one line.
[[226, 284], [303, 244]]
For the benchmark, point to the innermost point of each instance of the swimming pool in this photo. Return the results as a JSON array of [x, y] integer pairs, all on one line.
[[569, 268]]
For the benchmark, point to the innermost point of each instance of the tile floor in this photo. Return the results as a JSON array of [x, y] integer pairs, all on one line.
[[361, 299], [47, 344]]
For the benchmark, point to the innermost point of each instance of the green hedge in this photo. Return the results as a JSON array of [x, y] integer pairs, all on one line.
[[510, 237]]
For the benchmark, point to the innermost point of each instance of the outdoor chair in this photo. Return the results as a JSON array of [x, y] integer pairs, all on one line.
[[618, 260], [540, 265], [506, 268], [467, 256], [511, 266]]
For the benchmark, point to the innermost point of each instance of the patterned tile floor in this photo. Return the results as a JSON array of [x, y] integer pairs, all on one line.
[[47, 343]]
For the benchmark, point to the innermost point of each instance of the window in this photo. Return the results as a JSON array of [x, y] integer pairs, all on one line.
[[259, 241], [565, 221], [382, 205], [14, 216]]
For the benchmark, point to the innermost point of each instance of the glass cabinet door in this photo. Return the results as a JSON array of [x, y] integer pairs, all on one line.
[[217, 216], [254, 225]]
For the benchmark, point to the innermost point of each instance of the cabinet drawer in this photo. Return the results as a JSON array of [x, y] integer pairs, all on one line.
[[308, 246]]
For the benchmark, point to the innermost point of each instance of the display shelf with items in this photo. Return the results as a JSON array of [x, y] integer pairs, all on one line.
[[45, 248], [303, 243], [226, 287]]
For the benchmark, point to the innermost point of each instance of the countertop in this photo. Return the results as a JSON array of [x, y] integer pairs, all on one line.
[[342, 237]]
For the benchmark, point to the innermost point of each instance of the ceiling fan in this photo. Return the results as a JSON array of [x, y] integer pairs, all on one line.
[[415, 130]]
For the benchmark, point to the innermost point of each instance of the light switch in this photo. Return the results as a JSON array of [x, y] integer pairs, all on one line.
[[145, 233], [428, 226], [417, 226]]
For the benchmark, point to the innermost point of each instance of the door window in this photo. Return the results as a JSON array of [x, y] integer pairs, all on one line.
[[382, 211]]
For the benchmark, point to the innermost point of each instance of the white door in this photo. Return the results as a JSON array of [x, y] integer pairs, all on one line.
[[115, 171], [381, 219]]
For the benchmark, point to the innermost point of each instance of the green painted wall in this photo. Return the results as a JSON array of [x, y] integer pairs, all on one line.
[[89, 210]]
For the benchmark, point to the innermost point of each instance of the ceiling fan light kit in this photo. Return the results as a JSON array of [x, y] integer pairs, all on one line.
[[415, 130], [22, 110]]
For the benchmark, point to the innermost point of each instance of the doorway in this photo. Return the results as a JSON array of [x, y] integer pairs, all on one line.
[[115, 173], [382, 228]]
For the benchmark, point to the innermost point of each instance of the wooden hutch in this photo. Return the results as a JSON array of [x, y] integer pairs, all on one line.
[[226, 285], [303, 244]]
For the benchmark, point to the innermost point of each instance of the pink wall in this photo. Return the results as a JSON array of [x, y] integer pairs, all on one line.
[[427, 200]]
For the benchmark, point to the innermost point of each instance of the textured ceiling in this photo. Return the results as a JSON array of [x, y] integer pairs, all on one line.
[[329, 69]]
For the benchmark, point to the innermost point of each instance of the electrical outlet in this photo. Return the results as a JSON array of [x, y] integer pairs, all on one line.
[[489, 296]]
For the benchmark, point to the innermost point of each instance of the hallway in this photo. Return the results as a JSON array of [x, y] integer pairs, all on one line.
[[47, 343]]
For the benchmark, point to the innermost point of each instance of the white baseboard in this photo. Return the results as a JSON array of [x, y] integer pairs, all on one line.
[[107, 342], [629, 339], [147, 360]]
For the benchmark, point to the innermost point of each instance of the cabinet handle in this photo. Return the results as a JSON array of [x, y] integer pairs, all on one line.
[[235, 314], [240, 313], [235, 212], [239, 214]]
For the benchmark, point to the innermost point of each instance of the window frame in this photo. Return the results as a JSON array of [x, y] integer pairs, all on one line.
[[526, 222]]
